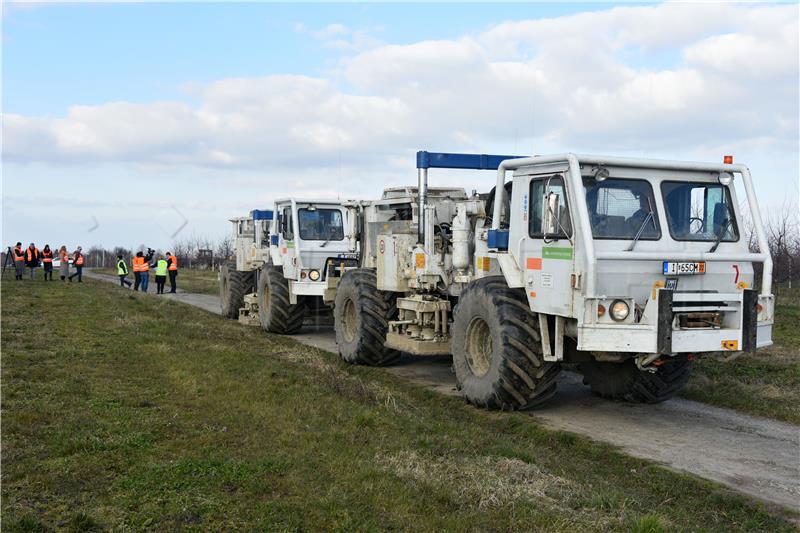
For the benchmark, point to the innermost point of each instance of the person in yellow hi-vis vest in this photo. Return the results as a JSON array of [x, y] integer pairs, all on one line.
[[122, 272], [161, 274]]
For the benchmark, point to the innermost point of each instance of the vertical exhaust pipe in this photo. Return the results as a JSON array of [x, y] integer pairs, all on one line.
[[422, 192]]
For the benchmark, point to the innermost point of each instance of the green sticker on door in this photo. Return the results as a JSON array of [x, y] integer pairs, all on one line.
[[556, 253]]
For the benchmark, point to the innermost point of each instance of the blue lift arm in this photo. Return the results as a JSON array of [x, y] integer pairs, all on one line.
[[497, 238], [467, 161]]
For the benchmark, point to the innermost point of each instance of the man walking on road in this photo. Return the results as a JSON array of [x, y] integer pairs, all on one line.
[[32, 258], [77, 262], [173, 271], [19, 261], [122, 272]]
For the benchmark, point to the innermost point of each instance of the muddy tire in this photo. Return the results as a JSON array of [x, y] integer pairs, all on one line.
[[361, 316], [275, 312], [497, 350], [624, 381], [233, 285]]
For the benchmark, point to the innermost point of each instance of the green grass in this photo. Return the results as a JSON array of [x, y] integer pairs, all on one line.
[[190, 280], [126, 412], [767, 383]]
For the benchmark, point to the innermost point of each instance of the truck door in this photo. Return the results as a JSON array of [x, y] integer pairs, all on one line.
[[550, 256], [287, 243]]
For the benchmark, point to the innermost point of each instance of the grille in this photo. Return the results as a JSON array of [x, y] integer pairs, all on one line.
[[697, 320]]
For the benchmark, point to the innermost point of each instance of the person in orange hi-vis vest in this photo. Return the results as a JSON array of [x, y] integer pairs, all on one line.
[[138, 268], [33, 258], [63, 268], [172, 269], [19, 261], [77, 262], [47, 262]]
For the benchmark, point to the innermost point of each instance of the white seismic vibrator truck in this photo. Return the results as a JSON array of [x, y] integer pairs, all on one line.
[[630, 268]]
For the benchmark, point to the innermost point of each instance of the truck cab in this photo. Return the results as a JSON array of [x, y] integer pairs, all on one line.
[[637, 256], [312, 241]]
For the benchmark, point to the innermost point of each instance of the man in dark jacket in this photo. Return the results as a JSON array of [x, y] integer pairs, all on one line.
[[32, 259]]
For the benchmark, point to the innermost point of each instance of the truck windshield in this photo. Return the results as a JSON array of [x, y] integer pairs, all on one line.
[[621, 209], [699, 211], [320, 224]]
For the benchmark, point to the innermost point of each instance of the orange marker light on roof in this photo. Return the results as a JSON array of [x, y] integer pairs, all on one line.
[[728, 159]]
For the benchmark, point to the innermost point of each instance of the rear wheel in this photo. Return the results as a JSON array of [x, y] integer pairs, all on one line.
[[233, 285], [275, 312], [624, 381], [361, 317], [497, 351]]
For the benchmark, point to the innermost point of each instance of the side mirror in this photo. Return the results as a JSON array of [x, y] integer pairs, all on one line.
[[551, 214]]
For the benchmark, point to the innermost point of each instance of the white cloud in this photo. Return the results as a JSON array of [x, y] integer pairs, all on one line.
[[596, 81]]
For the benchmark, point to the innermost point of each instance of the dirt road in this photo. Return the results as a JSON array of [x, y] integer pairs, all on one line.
[[757, 456]]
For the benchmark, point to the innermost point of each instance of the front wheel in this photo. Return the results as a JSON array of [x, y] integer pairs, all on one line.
[[275, 311], [624, 381], [361, 316], [497, 350]]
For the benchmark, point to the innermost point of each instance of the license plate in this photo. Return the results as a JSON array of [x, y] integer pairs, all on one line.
[[680, 268]]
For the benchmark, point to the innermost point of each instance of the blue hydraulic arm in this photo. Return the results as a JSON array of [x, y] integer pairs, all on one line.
[[425, 160]]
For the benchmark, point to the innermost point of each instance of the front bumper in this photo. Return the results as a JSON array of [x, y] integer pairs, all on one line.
[[669, 324]]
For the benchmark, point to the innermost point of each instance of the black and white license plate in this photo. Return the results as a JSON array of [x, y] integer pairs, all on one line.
[[677, 268]]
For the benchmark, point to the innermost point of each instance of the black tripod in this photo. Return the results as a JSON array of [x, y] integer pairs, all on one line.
[[9, 261]]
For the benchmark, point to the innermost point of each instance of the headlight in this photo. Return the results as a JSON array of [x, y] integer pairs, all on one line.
[[619, 310], [313, 275]]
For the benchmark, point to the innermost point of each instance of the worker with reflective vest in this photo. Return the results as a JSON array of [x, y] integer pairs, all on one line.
[[173, 271], [47, 262], [122, 272], [63, 268], [77, 262], [140, 272], [19, 261], [161, 274], [32, 259]]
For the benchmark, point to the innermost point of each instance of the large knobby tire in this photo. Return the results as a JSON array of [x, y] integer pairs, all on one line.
[[624, 381], [497, 350], [275, 312], [361, 316], [233, 285]]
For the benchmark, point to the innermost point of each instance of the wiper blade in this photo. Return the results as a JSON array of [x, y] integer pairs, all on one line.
[[720, 235], [641, 229], [330, 236]]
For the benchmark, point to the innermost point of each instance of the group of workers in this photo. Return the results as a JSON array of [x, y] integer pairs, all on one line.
[[164, 266], [32, 258]]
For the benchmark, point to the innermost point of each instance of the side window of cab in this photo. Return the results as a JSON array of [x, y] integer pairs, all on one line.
[[286, 224], [549, 212]]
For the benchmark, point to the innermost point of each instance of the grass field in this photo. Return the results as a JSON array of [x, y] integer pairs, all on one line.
[[767, 383], [190, 280], [126, 412]]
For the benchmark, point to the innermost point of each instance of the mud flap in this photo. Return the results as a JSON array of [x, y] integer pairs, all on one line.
[[664, 330], [749, 320]]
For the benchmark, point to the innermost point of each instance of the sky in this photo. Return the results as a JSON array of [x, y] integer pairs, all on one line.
[[126, 123]]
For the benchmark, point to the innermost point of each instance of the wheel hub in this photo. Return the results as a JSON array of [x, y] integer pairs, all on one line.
[[478, 347], [349, 320]]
